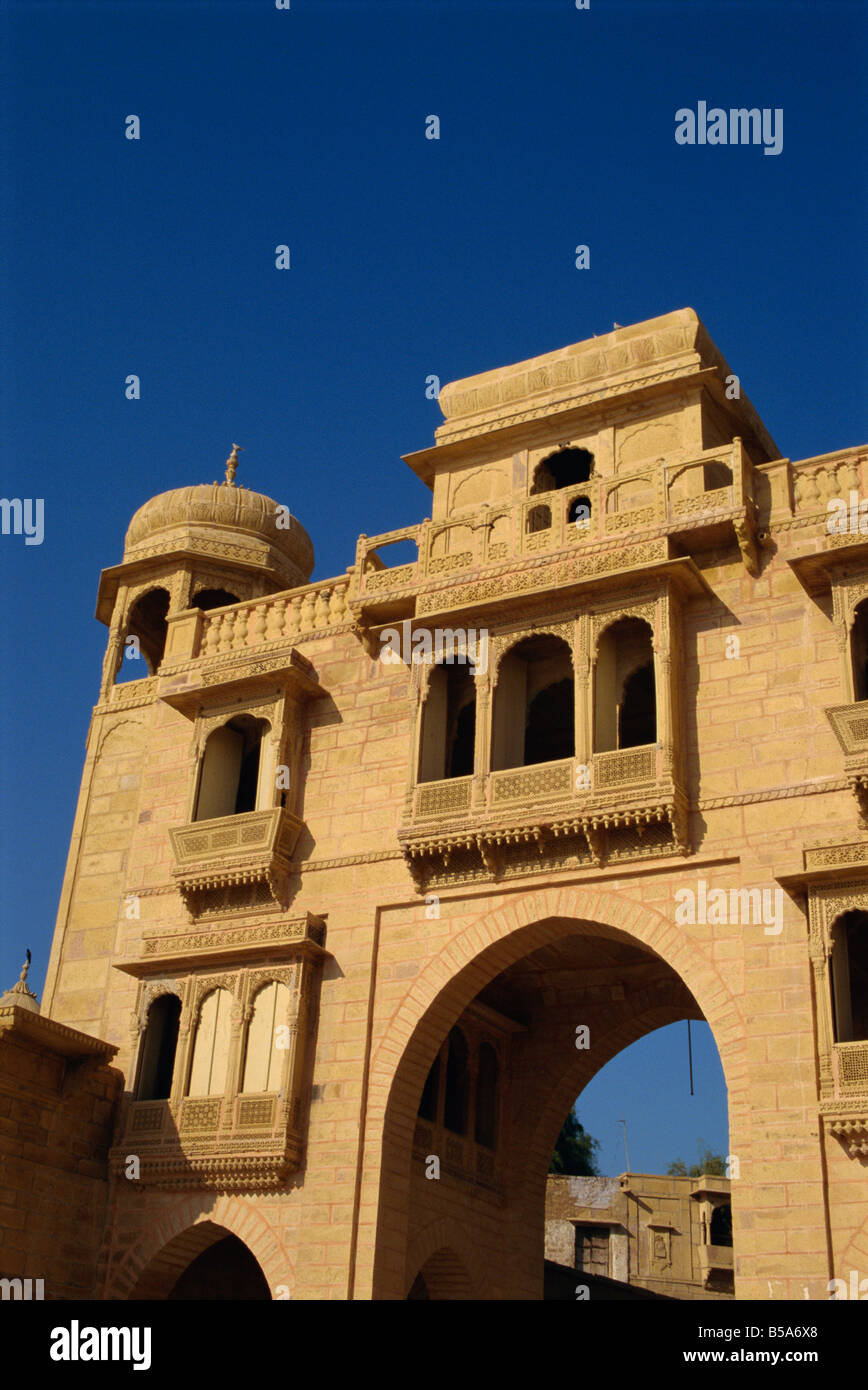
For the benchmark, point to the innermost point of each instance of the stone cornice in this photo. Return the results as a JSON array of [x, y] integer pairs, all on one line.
[[209, 946], [51, 1036]]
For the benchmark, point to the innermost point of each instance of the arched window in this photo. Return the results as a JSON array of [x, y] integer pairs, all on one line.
[[486, 1096], [206, 599], [549, 731], [457, 1084], [146, 623], [579, 513], [158, 1049], [720, 1228], [716, 475], [534, 704], [563, 468], [637, 714], [859, 651], [264, 1058], [849, 977], [539, 519], [625, 712], [233, 778], [208, 1069], [448, 724], [430, 1092]]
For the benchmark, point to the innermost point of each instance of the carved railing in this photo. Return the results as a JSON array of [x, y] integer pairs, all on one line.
[[286, 617], [289, 617], [714, 1257], [850, 727], [541, 785], [850, 1068], [147, 1119], [817, 481], [450, 797], [623, 804], [230, 852], [460, 1157], [209, 1140], [665, 496], [626, 767], [542, 782]]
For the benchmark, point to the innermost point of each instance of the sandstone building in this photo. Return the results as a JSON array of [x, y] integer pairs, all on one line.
[[332, 924], [670, 1235]]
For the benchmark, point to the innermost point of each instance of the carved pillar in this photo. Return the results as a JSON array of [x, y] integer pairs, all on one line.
[[472, 1080], [240, 1019], [419, 675], [115, 650], [844, 637], [482, 739], [663, 682], [584, 691], [186, 1034], [181, 591], [825, 1042], [299, 1025]]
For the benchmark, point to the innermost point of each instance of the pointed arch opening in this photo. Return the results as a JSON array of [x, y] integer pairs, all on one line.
[[448, 732], [625, 701], [233, 776], [562, 469], [206, 1261], [534, 704], [849, 977], [859, 651], [160, 1045], [266, 1039], [145, 638], [209, 1064], [207, 599]]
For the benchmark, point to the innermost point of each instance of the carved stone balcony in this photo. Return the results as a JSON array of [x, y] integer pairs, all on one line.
[[624, 805], [714, 1257], [850, 726], [219, 1142], [237, 646], [460, 1157], [850, 1068], [698, 502], [238, 1138], [234, 861]]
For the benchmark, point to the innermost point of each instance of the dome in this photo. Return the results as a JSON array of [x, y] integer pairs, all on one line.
[[20, 996], [221, 520]]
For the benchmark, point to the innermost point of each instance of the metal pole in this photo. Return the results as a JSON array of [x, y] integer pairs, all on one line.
[[626, 1150]]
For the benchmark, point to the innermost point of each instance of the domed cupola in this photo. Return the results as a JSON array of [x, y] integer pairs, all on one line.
[[206, 546], [223, 520]]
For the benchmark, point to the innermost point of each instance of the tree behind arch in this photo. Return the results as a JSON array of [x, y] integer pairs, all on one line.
[[575, 1154]]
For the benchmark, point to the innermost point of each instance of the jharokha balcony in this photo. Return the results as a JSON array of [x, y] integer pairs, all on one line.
[[622, 804], [598, 526], [252, 851]]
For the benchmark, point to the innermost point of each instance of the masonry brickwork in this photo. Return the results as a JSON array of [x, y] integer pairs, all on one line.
[[513, 902]]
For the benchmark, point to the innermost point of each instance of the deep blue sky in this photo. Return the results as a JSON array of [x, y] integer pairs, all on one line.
[[409, 257]]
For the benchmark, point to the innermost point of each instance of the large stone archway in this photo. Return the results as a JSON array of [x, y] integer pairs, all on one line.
[[181, 1231], [450, 981]]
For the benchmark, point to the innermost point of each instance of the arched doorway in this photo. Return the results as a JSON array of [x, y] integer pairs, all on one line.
[[442, 1277], [226, 1270], [527, 995], [206, 1262]]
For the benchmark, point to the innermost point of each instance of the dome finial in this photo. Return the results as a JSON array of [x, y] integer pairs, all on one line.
[[232, 465], [20, 995]]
